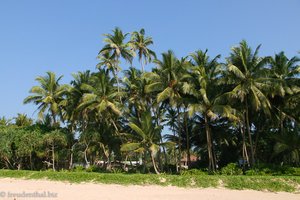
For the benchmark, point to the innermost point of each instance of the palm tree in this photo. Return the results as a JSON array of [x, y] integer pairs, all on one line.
[[207, 99], [4, 121], [23, 120], [145, 137], [166, 78], [75, 95], [287, 145], [100, 97], [284, 74], [108, 62], [140, 43], [115, 48], [48, 96], [166, 83], [247, 76], [134, 86], [186, 133]]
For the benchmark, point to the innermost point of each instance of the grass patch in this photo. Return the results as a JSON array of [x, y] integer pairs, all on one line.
[[261, 183]]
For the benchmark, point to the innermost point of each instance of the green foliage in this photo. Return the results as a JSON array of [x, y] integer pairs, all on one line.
[[94, 168], [79, 169], [231, 169], [48, 96], [273, 170]]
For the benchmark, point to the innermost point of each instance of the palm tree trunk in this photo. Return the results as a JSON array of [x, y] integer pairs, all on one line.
[[54, 120], [157, 120], [85, 156], [244, 148], [144, 157], [71, 156], [187, 139], [154, 164], [108, 155], [164, 153], [142, 63], [53, 157], [30, 160], [249, 134], [211, 163], [125, 162], [179, 140], [71, 161], [115, 73], [281, 120]]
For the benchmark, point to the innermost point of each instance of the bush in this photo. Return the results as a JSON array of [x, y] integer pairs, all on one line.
[[296, 171], [231, 169], [79, 169], [273, 170], [95, 168], [117, 170]]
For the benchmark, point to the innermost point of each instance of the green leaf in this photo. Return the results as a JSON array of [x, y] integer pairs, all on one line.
[[130, 146]]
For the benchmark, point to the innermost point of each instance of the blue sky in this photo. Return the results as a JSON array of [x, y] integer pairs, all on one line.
[[65, 36]]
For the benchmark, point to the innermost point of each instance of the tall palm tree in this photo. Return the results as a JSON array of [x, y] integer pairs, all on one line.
[[115, 48], [247, 76], [49, 96], [205, 73], [140, 43], [166, 83], [284, 74]]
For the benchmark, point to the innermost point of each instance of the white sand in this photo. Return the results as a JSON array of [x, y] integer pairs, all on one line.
[[89, 191]]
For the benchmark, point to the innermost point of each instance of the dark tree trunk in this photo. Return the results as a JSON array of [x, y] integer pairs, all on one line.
[[244, 147], [179, 140], [249, 134], [211, 162], [187, 139]]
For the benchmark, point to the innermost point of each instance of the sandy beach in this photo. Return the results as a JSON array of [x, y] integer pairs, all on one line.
[[43, 189]]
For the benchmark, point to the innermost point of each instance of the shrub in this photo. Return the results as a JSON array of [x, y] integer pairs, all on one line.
[[231, 169], [79, 169], [95, 168], [117, 170], [273, 170]]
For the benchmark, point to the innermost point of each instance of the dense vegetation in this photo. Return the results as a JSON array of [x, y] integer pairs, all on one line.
[[244, 110]]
